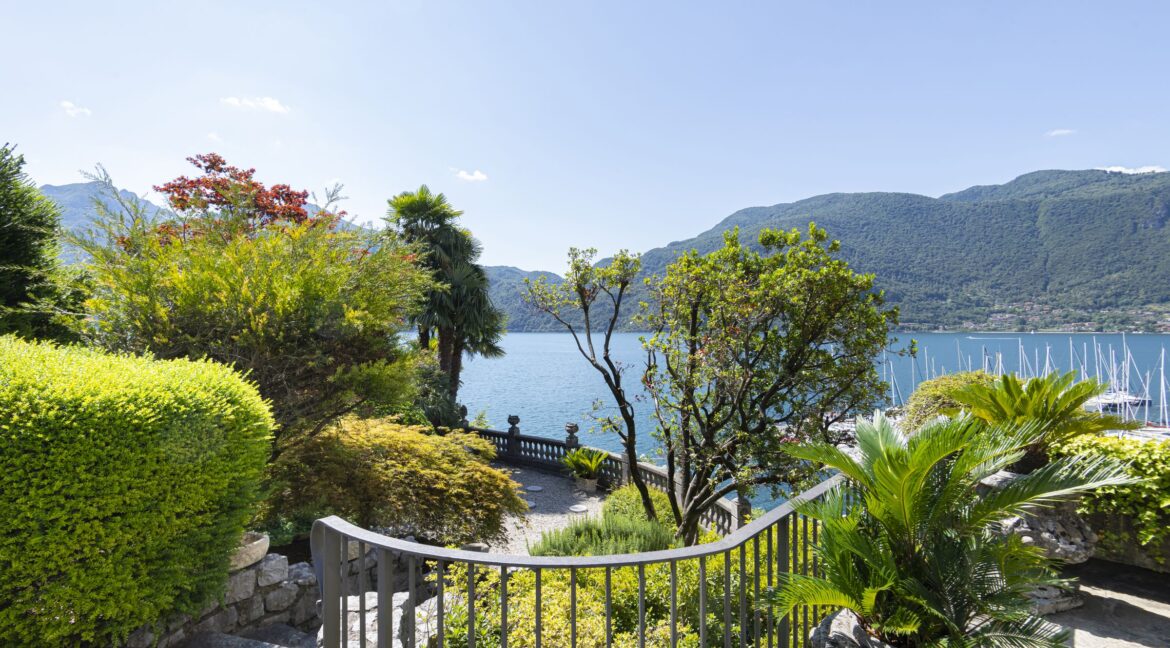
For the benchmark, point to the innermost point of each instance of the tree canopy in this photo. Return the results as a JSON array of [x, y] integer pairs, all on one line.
[[309, 312], [752, 351], [37, 297]]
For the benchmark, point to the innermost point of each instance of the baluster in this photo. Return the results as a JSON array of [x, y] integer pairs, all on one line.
[[727, 599], [539, 610], [641, 606], [703, 601], [470, 605], [608, 608], [331, 588], [504, 606], [361, 591], [673, 603], [441, 568], [385, 599]]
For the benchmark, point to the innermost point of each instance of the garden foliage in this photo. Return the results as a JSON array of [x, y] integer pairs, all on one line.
[[1147, 501], [125, 485], [932, 398], [310, 312], [911, 545], [381, 474]]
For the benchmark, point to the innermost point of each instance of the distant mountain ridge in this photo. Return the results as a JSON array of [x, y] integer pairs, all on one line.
[[1073, 250]]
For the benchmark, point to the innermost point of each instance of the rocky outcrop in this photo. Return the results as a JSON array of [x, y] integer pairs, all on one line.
[[842, 630]]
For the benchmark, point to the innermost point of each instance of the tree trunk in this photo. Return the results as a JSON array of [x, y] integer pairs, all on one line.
[[424, 338], [446, 344], [456, 367]]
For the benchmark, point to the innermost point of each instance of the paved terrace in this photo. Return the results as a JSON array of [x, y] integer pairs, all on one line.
[[1124, 607]]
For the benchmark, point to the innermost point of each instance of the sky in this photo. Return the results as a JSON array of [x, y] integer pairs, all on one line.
[[589, 124]]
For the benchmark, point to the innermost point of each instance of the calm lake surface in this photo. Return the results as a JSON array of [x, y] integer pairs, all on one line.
[[544, 380]]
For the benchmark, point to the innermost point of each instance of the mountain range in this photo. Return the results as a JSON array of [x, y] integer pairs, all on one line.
[[1069, 250]]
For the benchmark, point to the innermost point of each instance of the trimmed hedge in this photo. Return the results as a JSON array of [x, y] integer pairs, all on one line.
[[1146, 502], [627, 502], [125, 485]]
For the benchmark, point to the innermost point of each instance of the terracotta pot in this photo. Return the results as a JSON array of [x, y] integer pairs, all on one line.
[[253, 547]]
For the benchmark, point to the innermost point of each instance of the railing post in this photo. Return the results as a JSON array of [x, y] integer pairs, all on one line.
[[626, 479], [514, 435], [463, 422], [571, 442]]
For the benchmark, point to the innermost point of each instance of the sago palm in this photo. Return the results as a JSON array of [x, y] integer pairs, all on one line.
[[1055, 402], [910, 545]]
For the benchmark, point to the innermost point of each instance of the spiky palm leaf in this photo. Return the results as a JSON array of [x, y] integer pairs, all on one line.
[[920, 558]]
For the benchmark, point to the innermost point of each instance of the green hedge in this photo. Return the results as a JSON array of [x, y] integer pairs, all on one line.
[[627, 502], [1148, 501], [125, 484]]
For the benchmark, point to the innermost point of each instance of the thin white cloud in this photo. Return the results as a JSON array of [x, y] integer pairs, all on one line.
[[213, 136], [1142, 169], [474, 176], [1059, 132], [268, 104], [73, 110]]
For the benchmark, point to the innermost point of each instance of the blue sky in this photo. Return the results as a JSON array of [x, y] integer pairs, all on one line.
[[605, 124]]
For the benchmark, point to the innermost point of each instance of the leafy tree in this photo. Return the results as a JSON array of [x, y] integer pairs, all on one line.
[[580, 296], [36, 294], [934, 397], [750, 352], [1055, 402], [919, 556], [459, 308], [311, 313]]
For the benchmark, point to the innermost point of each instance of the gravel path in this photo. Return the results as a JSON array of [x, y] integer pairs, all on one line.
[[548, 508]]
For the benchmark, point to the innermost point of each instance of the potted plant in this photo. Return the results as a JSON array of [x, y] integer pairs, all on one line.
[[910, 546], [585, 465]]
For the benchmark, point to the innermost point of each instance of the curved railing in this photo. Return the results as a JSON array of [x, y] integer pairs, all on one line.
[[726, 608]]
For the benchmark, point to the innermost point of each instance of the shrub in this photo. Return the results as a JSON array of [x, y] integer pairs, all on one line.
[[125, 484], [627, 502], [311, 313], [933, 398], [920, 560], [1144, 501], [1055, 403], [585, 463], [380, 473], [612, 534]]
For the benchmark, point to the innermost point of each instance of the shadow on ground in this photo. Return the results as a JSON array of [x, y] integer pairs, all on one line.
[[1124, 606]]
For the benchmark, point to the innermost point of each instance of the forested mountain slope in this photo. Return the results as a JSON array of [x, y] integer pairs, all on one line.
[[1050, 249]]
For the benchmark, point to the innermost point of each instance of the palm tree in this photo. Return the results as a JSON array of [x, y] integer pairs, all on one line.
[[1056, 403], [459, 312], [910, 545]]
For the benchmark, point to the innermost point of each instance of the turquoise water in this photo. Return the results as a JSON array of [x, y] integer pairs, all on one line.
[[544, 380]]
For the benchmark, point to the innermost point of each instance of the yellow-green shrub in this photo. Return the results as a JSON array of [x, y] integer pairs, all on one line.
[[627, 502], [933, 397], [380, 473], [125, 484], [1147, 502]]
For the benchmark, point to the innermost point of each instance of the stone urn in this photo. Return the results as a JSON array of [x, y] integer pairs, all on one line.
[[253, 547], [587, 485], [1061, 532], [842, 629]]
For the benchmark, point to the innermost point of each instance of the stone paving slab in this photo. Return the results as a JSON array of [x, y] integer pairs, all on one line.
[[1125, 607]]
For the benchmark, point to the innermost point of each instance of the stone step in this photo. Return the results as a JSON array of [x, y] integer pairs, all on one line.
[[273, 636]]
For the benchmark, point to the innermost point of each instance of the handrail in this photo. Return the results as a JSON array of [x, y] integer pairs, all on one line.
[[429, 552], [742, 565]]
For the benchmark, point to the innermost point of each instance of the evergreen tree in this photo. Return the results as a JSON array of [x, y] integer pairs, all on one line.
[[35, 296]]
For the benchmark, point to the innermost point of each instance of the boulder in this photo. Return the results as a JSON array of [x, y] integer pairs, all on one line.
[[842, 630], [272, 570]]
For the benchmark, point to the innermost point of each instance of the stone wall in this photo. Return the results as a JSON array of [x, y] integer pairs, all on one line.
[[270, 592], [1119, 543]]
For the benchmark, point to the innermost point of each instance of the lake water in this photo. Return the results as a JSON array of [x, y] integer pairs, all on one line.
[[544, 380]]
